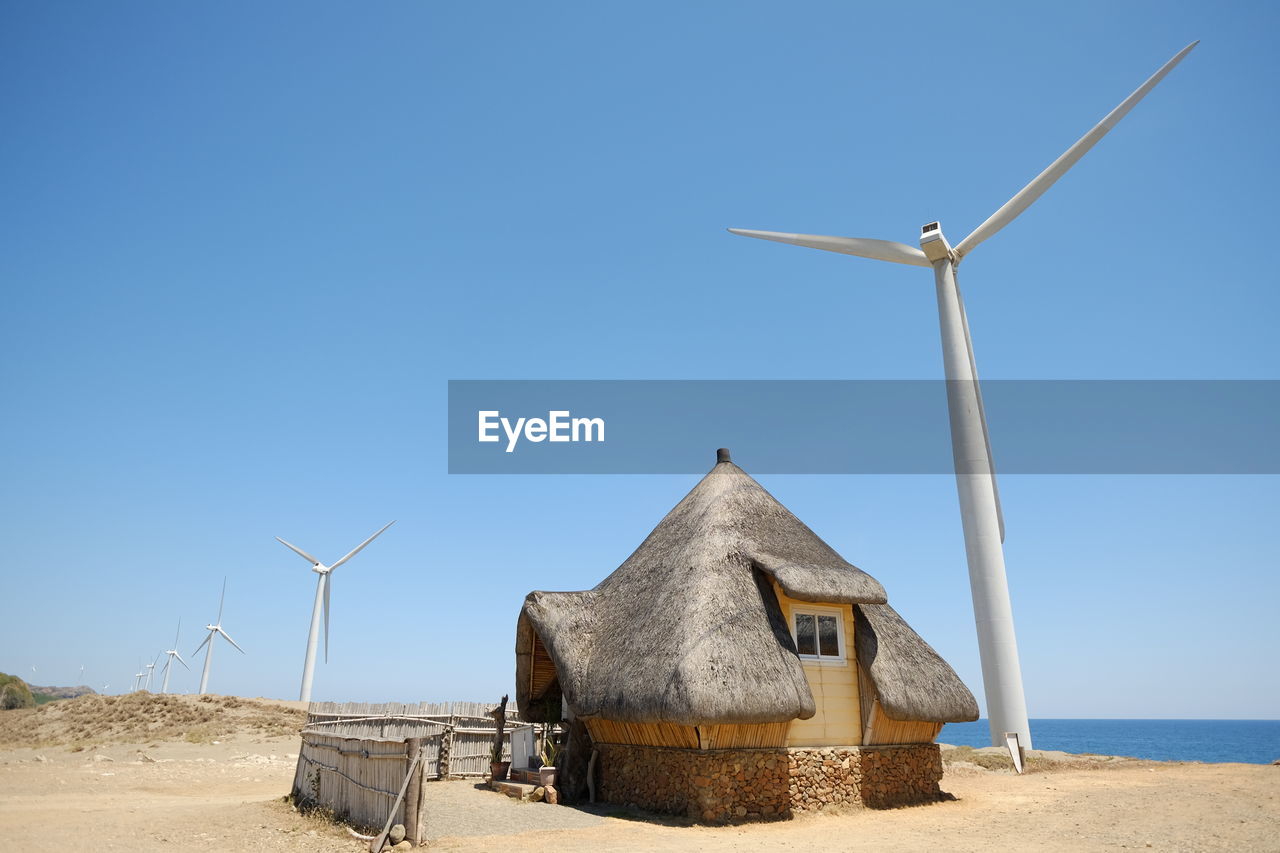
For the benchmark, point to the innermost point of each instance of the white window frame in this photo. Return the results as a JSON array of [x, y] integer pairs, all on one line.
[[841, 641]]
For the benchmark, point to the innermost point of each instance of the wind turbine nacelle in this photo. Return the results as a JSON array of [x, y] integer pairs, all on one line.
[[933, 244]]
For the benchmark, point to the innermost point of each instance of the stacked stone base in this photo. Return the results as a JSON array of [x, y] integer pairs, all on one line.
[[723, 785]]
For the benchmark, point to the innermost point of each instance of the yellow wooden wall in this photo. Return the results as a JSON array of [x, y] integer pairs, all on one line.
[[835, 689], [885, 730]]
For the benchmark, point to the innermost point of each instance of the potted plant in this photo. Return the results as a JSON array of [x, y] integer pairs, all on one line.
[[547, 773], [497, 767]]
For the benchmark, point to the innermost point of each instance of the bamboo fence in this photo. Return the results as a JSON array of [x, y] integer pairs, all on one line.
[[355, 755]]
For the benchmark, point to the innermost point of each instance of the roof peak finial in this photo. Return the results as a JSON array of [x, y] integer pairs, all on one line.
[[722, 455]]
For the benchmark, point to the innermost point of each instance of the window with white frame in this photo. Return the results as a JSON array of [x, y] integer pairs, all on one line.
[[819, 633]]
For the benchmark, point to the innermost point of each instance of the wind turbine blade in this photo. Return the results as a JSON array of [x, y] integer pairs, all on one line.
[[1032, 191], [880, 250], [229, 640], [165, 668], [181, 661], [177, 633], [360, 547], [301, 553], [202, 644], [328, 579], [221, 599]]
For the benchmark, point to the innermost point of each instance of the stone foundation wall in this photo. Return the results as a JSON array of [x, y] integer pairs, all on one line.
[[714, 786], [901, 775], [717, 786], [880, 777]]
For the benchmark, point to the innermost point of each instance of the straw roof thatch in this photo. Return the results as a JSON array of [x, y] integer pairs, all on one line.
[[688, 629], [912, 681]]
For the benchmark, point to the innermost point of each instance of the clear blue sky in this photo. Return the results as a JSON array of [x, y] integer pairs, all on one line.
[[245, 246]]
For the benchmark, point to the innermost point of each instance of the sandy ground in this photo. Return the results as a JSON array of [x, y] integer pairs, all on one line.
[[228, 796]]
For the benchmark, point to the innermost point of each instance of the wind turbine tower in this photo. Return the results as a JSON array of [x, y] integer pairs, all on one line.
[[214, 630], [980, 511], [321, 603]]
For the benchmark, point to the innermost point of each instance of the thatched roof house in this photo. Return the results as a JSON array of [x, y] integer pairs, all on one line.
[[734, 625], [736, 666]]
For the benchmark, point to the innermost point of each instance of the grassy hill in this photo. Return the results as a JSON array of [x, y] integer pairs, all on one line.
[[14, 693], [52, 694]]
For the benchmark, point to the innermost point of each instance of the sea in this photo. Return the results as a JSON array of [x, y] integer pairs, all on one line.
[[1245, 741]]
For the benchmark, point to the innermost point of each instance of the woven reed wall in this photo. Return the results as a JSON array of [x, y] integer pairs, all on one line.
[[354, 755], [357, 779], [726, 736]]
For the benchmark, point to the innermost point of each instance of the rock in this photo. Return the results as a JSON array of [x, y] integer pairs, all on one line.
[[397, 832], [149, 760], [552, 796], [42, 759], [402, 846], [100, 757], [538, 793]]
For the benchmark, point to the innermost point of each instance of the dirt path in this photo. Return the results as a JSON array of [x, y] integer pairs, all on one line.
[[227, 796]]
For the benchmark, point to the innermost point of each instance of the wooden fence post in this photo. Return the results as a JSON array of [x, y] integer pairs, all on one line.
[[499, 715], [413, 793], [446, 748]]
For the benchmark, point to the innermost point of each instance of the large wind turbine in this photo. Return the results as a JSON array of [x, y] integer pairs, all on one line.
[[975, 475], [322, 601], [172, 654], [213, 630]]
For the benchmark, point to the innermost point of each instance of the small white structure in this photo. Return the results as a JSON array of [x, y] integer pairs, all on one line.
[[523, 747]]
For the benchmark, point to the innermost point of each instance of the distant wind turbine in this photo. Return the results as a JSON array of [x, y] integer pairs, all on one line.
[[138, 676], [322, 601], [172, 654], [213, 630], [151, 668], [980, 510]]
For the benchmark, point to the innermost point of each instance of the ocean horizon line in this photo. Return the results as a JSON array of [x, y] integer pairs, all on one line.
[[1151, 719]]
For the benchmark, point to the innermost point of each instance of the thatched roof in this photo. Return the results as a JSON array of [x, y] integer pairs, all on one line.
[[912, 681], [688, 629]]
